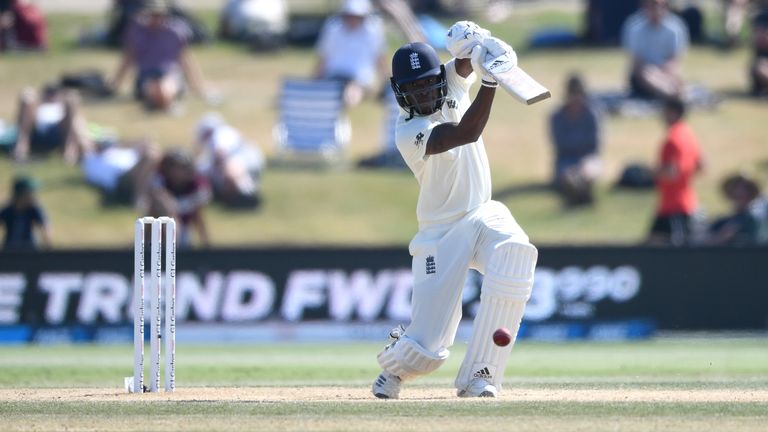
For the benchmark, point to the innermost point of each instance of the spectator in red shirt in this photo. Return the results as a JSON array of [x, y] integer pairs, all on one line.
[[182, 193], [679, 160], [22, 26]]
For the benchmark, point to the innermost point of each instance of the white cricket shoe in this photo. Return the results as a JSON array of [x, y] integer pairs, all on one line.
[[478, 388], [387, 386]]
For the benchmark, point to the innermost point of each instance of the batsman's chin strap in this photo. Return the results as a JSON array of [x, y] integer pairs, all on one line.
[[491, 84]]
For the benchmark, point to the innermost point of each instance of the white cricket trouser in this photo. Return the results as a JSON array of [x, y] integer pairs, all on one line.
[[442, 255]]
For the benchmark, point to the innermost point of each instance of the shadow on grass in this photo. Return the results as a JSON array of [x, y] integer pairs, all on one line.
[[531, 188]]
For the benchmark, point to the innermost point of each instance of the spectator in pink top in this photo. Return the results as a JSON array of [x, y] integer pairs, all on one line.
[[156, 44]]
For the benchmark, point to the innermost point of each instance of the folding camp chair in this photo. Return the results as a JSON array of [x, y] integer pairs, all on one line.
[[312, 124]]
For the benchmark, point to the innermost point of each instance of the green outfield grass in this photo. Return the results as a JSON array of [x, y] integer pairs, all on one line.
[[350, 206], [666, 384]]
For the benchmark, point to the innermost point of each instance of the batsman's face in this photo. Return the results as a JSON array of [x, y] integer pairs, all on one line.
[[423, 94]]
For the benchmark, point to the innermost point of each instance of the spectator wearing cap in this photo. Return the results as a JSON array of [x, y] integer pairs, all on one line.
[[679, 161], [157, 45], [655, 40], [741, 226], [180, 191], [22, 215], [759, 67], [231, 163], [575, 131], [351, 48]]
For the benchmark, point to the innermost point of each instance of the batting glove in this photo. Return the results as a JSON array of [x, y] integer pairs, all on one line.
[[479, 55], [497, 47], [463, 36]]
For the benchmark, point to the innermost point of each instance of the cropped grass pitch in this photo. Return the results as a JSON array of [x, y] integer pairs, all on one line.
[[680, 384]]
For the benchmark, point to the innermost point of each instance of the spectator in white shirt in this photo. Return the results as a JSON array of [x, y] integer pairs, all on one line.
[[655, 39], [351, 48], [121, 171], [232, 165], [50, 120]]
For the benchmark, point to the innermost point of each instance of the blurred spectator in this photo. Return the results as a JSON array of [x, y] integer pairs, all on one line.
[[125, 11], [232, 164], [22, 215], [759, 67], [50, 121], [656, 40], [575, 133], [734, 12], [179, 191], [679, 159], [121, 171], [352, 49], [22, 26], [742, 226], [156, 43], [262, 24]]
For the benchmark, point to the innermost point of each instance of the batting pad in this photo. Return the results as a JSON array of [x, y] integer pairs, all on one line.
[[506, 288], [407, 359]]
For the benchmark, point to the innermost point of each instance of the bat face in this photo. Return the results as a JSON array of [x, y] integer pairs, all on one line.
[[515, 80]]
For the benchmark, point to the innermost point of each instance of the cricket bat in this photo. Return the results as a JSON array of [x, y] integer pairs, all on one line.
[[515, 80]]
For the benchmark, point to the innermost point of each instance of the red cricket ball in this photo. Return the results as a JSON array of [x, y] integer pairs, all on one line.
[[502, 337]]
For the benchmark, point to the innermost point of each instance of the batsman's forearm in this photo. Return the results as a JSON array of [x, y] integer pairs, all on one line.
[[474, 120], [451, 135]]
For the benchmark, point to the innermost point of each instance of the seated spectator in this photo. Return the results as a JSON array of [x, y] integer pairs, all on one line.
[[50, 121], [22, 26], [351, 49], [121, 171], [741, 226], [733, 14], [655, 39], [231, 163], [156, 44], [575, 134], [759, 66], [124, 11], [22, 215], [260, 23], [679, 160], [179, 191]]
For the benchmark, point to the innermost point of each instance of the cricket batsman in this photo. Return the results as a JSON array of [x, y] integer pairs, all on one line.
[[439, 136]]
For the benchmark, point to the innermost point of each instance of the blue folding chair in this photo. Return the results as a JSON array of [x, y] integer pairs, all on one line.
[[312, 124]]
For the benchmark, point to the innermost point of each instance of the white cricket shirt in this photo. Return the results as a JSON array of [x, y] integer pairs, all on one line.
[[453, 182]]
